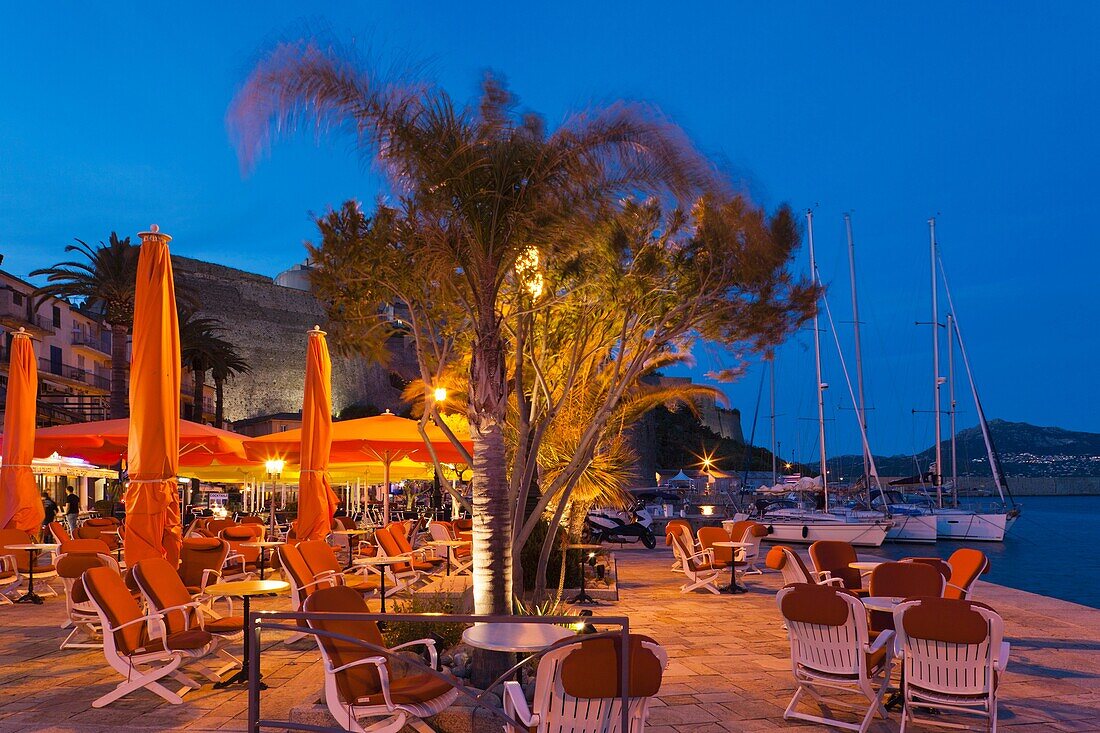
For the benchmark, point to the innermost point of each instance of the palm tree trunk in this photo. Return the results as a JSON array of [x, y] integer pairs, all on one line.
[[119, 407], [219, 402], [196, 394], [492, 510]]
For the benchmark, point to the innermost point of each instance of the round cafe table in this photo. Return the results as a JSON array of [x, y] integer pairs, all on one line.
[[733, 587], [33, 548], [382, 562], [523, 638], [881, 603], [864, 566], [245, 589], [264, 546], [450, 545], [349, 533]]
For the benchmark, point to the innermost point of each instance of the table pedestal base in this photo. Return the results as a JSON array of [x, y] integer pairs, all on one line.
[[734, 589], [30, 597], [240, 678]]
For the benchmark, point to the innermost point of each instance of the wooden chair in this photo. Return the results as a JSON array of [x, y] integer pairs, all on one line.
[[697, 567], [578, 687], [901, 580], [359, 682], [786, 561], [462, 558], [302, 581], [682, 528], [953, 654], [166, 594], [43, 571], [831, 650], [59, 533], [10, 578], [243, 563], [426, 559], [833, 557], [322, 563], [752, 534], [75, 557], [405, 575], [128, 647]]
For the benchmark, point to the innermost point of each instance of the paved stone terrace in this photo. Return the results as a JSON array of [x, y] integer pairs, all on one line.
[[729, 667]]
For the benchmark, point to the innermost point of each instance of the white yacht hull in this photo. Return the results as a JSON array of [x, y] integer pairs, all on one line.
[[810, 529], [913, 528], [964, 524]]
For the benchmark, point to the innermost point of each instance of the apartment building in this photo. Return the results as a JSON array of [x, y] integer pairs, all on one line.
[[73, 347]]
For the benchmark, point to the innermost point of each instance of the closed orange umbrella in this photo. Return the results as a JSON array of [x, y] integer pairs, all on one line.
[[316, 500], [152, 497], [20, 505]]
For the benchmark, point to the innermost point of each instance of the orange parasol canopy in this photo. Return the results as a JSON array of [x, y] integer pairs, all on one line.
[[105, 442], [382, 438], [20, 505], [153, 450], [316, 500]]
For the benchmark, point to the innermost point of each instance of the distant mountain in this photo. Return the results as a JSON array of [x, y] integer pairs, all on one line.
[[1025, 450]]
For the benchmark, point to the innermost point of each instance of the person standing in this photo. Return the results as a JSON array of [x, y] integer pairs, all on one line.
[[72, 509], [50, 507]]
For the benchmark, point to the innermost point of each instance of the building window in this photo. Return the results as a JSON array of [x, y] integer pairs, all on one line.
[[56, 317], [16, 297]]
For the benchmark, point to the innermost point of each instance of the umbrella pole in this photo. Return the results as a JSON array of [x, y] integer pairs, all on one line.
[[386, 490]]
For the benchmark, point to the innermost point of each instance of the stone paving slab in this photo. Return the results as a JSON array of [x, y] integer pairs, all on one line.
[[729, 666]]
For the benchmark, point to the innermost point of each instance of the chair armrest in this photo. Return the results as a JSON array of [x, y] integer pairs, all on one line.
[[322, 582], [9, 563], [139, 620], [838, 582], [428, 643], [183, 607], [883, 639], [823, 575], [379, 664], [515, 705], [1002, 657], [206, 577], [959, 588]]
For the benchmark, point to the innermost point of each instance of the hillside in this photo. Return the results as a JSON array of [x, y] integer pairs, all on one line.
[[1025, 450]]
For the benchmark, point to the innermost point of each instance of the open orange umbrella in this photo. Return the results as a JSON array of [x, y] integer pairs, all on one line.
[[20, 505], [105, 442], [152, 498], [383, 438], [316, 499]]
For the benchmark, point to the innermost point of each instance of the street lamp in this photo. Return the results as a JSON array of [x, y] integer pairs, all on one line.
[[274, 468], [440, 394]]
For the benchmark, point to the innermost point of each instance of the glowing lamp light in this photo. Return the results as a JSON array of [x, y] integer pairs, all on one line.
[[274, 466], [707, 510], [440, 394]]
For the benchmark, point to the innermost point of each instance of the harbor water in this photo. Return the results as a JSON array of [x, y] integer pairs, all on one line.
[[1050, 550]]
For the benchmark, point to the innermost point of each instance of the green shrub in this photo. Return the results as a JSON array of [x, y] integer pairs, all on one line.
[[446, 635]]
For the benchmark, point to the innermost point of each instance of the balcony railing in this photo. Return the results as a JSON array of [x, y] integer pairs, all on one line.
[[18, 313], [72, 373], [100, 343]]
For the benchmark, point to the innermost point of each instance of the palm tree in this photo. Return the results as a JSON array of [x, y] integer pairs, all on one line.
[[200, 346], [106, 280], [477, 187], [227, 363]]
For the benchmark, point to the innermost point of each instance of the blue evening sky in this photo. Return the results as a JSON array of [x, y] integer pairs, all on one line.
[[112, 118]]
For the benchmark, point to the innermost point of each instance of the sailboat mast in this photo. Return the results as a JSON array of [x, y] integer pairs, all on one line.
[[817, 361], [775, 465], [936, 364], [953, 403], [861, 407], [990, 449]]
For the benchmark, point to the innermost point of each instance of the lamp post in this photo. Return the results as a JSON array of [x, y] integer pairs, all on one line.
[[274, 468]]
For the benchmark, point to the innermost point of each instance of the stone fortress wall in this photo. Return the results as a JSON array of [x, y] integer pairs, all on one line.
[[268, 324]]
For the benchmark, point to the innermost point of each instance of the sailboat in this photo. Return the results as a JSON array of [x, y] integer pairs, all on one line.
[[911, 522], [801, 524], [958, 522]]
